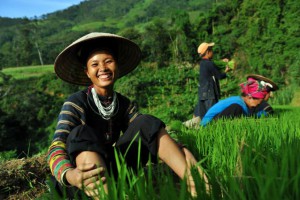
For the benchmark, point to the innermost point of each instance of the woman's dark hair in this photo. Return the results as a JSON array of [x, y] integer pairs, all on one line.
[[209, 49], [90, 47]]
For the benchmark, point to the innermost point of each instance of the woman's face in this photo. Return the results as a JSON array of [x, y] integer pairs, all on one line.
[[252, 102], [103, 71]]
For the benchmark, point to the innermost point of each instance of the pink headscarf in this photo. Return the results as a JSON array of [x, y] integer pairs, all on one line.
[[254, 89]]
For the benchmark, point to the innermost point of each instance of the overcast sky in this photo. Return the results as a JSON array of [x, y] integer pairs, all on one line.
[[31, 8]]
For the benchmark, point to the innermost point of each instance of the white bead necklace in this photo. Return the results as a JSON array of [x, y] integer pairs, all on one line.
[[105, 112]]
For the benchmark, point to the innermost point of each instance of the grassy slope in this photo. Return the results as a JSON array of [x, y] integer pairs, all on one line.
[[28, 72]]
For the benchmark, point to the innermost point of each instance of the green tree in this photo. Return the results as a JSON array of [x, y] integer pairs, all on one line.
[[34, 107], [183, 44], [290, 55], [23, 45], [155, 43], [13, 136]]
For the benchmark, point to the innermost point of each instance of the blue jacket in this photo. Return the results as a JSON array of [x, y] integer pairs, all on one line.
[[222, 105]]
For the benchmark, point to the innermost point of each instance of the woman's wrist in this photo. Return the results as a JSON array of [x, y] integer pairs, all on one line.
[[64, 180]]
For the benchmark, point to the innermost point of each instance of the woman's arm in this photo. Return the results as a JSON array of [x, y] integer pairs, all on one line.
[[70, 116], [214, 70]]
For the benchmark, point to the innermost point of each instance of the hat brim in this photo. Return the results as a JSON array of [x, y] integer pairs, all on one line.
[[260, 77], [70, 68]]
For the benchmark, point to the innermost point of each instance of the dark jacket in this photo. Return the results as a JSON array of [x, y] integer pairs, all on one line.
[[263, 109], [209, 86]]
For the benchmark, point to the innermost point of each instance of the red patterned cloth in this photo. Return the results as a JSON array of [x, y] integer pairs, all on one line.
[[254, 89]]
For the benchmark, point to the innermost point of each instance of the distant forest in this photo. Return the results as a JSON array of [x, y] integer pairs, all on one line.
[[262, 36]]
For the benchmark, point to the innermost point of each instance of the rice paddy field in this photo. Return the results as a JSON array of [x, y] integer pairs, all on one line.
[[244, 158], [28, 72], [251, 158]]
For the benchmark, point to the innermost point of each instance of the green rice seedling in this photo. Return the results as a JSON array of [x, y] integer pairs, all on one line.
[[250, 158], [152, 182], [244, 159], [283, 97]]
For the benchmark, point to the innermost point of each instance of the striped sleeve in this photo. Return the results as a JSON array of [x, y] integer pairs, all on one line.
[[70, 116]]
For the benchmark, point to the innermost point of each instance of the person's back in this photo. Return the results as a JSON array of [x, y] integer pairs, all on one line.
[[253, 93], [230, 107], [209, 77]]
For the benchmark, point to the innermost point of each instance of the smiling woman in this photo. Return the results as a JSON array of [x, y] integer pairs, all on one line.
[[97, 122], [33, 8]]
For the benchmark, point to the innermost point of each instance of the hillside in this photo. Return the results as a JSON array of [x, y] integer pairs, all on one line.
[[51, 33], [251, 32], [260, 36]]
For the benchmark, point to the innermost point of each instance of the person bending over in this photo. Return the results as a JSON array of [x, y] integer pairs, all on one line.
[[264, 108], [253, 93]]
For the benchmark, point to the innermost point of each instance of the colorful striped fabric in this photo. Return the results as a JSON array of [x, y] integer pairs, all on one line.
[[75, 112]]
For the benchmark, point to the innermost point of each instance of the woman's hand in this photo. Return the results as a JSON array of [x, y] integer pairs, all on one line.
[[192, 162], [227, 69], [87, 177], [225, 60]]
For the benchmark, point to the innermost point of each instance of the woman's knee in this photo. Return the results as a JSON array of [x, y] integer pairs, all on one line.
[[148, 125], [88, 157]]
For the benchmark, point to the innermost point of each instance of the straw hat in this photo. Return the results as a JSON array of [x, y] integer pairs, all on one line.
[[204, 46], [265, 79], [70, 67]]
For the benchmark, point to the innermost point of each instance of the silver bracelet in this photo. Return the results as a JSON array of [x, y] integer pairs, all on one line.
[[63, 179]]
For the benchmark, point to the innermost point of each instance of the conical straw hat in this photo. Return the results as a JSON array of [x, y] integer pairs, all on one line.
[[69, 67]]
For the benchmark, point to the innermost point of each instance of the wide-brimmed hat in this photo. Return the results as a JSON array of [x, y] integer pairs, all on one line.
[[69, 65], [273, 87], [204, 46]]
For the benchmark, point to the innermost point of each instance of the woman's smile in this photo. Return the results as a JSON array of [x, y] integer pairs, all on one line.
[[105, 76]]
